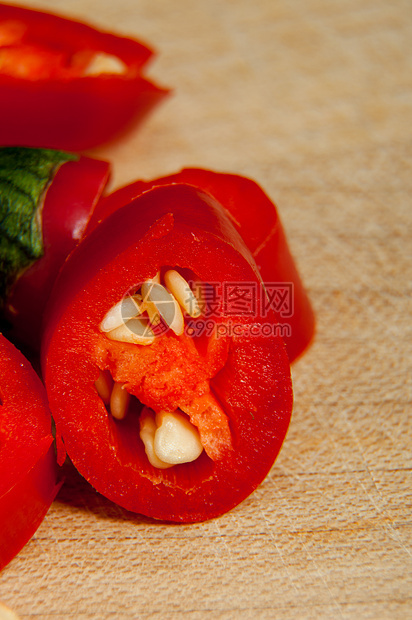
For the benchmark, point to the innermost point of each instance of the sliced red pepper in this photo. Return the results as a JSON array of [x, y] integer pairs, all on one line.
[[28, 481], [226, 375], [66, 85], [46, 199], [255, 216]]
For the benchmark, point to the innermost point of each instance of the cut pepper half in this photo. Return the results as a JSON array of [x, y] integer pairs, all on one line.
[[170, 387]]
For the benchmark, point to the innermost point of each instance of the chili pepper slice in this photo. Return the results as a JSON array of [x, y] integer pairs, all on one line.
[[28, 480], [177, 421], [66, 85], [46, 199], [256, 218]]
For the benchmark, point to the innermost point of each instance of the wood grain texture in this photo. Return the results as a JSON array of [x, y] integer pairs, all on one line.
[[312, 99]]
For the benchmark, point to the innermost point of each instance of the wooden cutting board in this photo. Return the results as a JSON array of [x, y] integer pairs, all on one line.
[[313, 99]]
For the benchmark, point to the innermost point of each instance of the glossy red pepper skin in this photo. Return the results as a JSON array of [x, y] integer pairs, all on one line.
[[255, 217], [73, 112], [183, 227], [68, 204], [28, 480]]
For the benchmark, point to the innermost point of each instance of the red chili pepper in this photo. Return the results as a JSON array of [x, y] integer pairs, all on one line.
[[255, 217], [46, 198], [221, 386], [65, 85], [28, 480]]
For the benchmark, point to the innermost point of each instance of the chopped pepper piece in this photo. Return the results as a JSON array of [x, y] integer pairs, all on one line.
[[28, 480], [65, 85], [46, 199], [198, 417]]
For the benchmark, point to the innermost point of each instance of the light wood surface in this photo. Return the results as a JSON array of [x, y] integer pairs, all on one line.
[[313, 99]]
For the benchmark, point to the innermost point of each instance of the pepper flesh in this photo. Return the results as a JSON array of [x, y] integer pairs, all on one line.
[[255, 217], [28, 481], [249, 377], [48, 97]]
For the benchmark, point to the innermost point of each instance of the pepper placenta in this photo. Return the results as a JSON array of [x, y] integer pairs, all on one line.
[[167, 380], [255, 217], [46, 199], [66, 85], [28, 480]]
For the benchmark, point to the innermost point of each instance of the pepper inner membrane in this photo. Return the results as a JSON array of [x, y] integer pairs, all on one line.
[[156, 371]]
